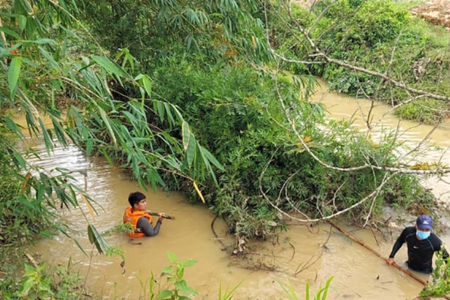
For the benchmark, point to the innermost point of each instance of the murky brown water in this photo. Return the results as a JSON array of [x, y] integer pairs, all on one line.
[[299, 256]]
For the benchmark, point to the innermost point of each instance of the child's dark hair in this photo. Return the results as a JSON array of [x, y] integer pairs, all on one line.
[[135, 198]]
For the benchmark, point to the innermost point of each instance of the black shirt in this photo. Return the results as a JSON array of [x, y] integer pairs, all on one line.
[[147, 228], [420, 252]]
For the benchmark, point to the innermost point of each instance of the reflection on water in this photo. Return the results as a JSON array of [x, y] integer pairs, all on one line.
[[299, 256]]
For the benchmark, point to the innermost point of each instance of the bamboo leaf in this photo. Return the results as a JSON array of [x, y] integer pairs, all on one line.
[[22, 22], [106, 156], [26, 5], [97, 239], [13, 75], [40, 193], [186, 134], [63, 231], [108, 125], [59, 131], [154, 178], [46, 134], [89, 146], [147, 85], [40, 41], [10, 32], [49, 58], [211, 158], [169, 112], [191, 150], [110, 66], [18, 160], [8, 51], [12, 126], [88, 204]]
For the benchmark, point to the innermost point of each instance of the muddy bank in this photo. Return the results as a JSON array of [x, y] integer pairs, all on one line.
[[436, 12]]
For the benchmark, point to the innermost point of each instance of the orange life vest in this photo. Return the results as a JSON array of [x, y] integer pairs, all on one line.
[[133, 217]]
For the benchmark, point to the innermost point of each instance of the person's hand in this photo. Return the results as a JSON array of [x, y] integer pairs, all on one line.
[[161, 216], [390, 261]]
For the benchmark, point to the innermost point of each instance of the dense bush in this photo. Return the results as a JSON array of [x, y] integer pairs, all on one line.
[[236, 113]]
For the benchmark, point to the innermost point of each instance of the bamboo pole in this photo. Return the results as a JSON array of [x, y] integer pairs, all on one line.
[[3, 34], [155, 214], [407, 272]]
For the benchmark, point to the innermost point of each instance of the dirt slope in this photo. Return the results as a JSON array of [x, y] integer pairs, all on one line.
[[436, 12]]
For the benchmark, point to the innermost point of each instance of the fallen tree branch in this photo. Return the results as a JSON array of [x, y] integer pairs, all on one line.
[[307, 219]]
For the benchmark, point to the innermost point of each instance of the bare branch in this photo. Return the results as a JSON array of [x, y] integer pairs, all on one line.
[[383, 76], [374, 193]]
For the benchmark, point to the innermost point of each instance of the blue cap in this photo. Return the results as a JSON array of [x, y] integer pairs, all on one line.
[[424, 222]]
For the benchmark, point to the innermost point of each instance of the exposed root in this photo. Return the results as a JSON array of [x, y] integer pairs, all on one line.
[[293, 253], [215, 234]]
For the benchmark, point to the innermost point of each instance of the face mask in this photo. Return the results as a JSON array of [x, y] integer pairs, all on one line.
[[423, 234]]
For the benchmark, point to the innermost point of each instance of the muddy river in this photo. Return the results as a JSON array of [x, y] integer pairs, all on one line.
[[301, 255]]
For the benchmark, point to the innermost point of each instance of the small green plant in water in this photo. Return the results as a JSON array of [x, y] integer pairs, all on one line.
[[175, 275], [440, 282], [227, 295], [321, 294], [176, 287]]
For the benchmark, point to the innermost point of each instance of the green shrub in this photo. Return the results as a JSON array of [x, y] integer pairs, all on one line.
[[439, 286], [428, 111]]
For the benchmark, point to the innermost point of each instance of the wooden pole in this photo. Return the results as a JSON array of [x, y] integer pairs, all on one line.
[[408, 272], [155, 214]]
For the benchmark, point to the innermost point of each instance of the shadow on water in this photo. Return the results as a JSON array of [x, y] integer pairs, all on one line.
[[300, 255]]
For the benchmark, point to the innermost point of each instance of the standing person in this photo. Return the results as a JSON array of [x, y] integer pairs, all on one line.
[[137, 216], [421, 243]]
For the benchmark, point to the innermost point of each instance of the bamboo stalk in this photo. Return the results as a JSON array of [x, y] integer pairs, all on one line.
[[3, 34], [407, 272], [155, 214]]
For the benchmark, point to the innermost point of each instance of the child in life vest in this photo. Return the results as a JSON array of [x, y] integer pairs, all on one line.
[[138, 217]]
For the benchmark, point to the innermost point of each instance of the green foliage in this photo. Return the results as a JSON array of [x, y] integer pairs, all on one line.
[[34, 285], [428, 111], [366, 23], [176, 287], [206, 27], [321, 294], [234, 112], [439, 286], [44, 282], [228, 294]]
